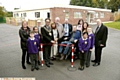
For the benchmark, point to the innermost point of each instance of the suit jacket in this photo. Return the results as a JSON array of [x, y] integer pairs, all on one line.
[[101, 36], [23, 37], [47, 35], [70, 28]]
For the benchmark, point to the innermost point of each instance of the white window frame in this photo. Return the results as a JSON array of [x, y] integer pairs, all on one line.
[[37, 14], [102, 14], [77, 15], [96, 15], [66, 15]]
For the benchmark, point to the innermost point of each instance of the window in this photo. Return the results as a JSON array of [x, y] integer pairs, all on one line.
[[101, 15], [96, 15], [14, 15], [66, 15], [17, 15], [37, 14], [24, 15], [77, 15]]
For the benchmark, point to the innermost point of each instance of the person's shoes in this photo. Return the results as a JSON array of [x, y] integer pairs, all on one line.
[[62, 57], [87, 66], [37, 68], [96, 64], [32, 69], [81, 68], [23, 66], [51, 63], [92, 60], [29, 63], [39, 63], [47, 65]]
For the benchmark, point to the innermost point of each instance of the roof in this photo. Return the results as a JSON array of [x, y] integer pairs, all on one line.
[[62, 6]]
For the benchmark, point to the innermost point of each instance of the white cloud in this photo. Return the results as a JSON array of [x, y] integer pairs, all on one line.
[[11, 4]]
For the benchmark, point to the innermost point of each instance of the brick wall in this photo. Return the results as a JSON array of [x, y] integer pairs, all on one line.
[[60, 12]]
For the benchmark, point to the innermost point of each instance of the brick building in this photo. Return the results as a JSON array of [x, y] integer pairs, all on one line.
[[73, 13]]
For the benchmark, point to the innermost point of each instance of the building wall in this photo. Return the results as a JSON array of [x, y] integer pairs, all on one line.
[[61, 12], [31, 14]]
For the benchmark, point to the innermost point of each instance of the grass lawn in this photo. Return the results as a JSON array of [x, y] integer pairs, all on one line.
[[115, 25]]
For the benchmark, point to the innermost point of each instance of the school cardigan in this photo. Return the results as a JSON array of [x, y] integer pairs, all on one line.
[[37, 36], [84, 44], [32, 45], [92, 40]]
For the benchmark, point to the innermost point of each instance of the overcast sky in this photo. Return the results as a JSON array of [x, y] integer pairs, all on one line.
[[11, 4]]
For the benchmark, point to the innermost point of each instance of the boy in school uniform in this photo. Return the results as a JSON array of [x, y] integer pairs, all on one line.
[[92, 40], [32, 45], [37, 36], [83, 45]]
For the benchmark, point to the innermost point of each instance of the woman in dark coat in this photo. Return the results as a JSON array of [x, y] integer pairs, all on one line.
[[24, 32]]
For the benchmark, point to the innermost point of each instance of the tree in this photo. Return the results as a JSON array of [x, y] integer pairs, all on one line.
[[105, 4], [2, 12]]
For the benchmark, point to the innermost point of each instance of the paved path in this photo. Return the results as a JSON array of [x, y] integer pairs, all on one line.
[[10, 60]]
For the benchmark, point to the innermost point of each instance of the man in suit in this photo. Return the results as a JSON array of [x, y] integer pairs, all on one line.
[[67, 29], [101, 34], [47, 38], [59, 27]]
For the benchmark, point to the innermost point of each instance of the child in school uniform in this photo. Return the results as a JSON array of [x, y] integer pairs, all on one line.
[[83, 45], [92, 40], [37, 36], [32, 46]]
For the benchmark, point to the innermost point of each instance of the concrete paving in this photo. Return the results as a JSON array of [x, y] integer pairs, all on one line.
[[10, 60]]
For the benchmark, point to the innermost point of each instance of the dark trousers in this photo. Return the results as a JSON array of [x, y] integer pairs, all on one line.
[[88, 58], [98, 52], [24, 52], [82, 58], [46, 53], [34, 60]]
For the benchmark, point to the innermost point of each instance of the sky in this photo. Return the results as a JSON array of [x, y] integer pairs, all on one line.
[[26, 4]]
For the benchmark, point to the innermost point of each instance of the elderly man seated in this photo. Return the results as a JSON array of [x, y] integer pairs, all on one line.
[[75, 35]]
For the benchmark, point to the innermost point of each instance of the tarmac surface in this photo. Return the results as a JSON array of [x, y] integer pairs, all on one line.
[[10, 60]]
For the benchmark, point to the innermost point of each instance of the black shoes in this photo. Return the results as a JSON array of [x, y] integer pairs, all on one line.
[[32, 69], [96, 64], [37, 68], [47, 65], [23, 66], [81, 68], [29, 63], [50, 63], [92, 60]]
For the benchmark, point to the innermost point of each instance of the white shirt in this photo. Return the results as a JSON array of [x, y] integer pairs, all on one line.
[[55, 33], [66, 30]]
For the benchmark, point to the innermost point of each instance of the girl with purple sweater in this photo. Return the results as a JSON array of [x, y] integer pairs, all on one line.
[[37, 36], [83, 45], [92, 40]]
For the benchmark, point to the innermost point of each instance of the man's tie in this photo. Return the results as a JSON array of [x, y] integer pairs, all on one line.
[[97, 29]]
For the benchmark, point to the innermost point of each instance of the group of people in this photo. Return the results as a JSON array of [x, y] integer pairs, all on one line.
[[57, 39]]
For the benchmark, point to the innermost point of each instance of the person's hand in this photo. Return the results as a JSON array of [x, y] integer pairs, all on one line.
[[52, 41], [56, 39], [82, 51], [75, 41], [101, 45], [65, 38], [90, 49]]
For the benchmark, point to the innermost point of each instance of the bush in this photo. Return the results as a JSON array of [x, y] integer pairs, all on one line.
[[2, 20]]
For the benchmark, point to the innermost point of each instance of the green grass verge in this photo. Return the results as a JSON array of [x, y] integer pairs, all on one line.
[[115, 25]]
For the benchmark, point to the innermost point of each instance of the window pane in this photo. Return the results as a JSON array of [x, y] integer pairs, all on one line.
[[37, 14], [67, 15]]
